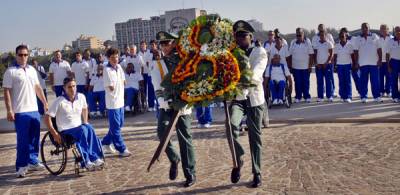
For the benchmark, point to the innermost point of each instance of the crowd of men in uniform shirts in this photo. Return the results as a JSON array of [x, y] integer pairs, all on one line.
[[109, 86]]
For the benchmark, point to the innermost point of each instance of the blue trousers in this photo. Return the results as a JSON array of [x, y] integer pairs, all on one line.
[[114, 136], [344, 74], [204, 115], [324, 74], [27, 126], [356, 78], [149, 90], [302, 83], [40, 104], [86, 141], [81, 89], [385, 79], [395, 65], [59, 90], [277, 89], [372, 72], [130, 96], [97, 101]]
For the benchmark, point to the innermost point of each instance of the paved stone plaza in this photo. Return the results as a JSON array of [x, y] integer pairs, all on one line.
[[297, 159]]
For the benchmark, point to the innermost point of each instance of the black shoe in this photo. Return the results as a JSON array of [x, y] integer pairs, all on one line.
[[235, 174], [173, 170], [191, 180], [256, 181]]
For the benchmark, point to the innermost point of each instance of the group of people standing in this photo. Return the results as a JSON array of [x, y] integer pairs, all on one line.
[[365, 57]]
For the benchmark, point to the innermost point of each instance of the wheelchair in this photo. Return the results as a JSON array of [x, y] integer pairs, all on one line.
[[287, 95], [55, 156]]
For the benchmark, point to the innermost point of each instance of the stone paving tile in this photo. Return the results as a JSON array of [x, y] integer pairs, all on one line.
[[297, 159]]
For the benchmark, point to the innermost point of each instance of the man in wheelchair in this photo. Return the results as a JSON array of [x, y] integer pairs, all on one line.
[[69, 110], [277, 76]]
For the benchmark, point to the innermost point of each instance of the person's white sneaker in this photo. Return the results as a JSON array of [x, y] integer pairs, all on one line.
[[98, 113], [395, 100], [90, 166], [378, 99], [127, 109], [348, 100], [200, 126], [319, 100], [37, 167], [308, 100], [21, 172], [296, 100], [280, 101], [98, 163], [275, 102], [330, 99], [207, 125], [363, 100], [125, 153], [108, 149], [389, 95]]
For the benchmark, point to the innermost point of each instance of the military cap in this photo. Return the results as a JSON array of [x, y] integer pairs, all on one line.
[[242, 26], [164, 36]]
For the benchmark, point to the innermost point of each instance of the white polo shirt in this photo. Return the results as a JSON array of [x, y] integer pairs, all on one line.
[[394, 49], [59, 71], [68, 114], [315, 40], [97, 83], [147, 57], [40, 70], [114, 77], [92, 66], [277, 73], [384, 41], [323, 51], [137, 62], [343, 53], [80, 69], [132, 80], [367, 49], [268, 46], [21, 83], [283, 52], [301, 54]]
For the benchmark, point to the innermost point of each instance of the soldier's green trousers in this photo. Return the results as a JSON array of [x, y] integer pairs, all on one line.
[[238, 110], [184, 134]]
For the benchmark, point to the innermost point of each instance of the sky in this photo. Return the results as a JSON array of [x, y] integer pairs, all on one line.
[[52, 23]]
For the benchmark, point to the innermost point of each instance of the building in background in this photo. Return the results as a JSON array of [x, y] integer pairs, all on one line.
[[257, 25], [87, 42], [135, 30]]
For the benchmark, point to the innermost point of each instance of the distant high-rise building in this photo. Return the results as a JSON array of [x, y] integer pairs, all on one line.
[[87, 42], [135, 30], [257, 25]]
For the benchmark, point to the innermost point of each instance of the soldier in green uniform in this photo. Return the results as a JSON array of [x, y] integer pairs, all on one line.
[[250, 103], [159, 69]]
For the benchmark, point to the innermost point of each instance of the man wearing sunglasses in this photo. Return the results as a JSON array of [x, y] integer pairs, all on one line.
[[250, 103], [300, 63], [21, 86], [159, 70]]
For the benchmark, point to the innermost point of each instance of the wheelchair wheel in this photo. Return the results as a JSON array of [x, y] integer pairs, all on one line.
[[54, 156]]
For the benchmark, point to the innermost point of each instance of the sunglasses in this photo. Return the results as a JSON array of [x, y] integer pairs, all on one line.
[[298, 35], [23, 55]]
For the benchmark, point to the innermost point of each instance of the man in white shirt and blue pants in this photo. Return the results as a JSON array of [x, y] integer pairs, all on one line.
[[368, 56], [21, 86], [393, 57], [114, 81]]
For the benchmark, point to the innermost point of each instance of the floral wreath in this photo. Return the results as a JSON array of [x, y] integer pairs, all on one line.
[[211, 67]]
